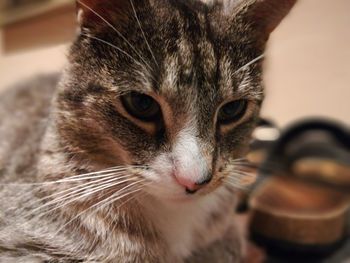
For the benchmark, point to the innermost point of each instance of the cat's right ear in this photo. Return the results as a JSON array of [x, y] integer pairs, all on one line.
[[262, 16], [97, 13]]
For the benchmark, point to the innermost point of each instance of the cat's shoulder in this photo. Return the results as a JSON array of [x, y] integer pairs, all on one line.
[[27, 101], [40, 86], [24, 110]]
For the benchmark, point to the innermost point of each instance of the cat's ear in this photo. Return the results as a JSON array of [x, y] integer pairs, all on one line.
[[263, 15], [93, 13]]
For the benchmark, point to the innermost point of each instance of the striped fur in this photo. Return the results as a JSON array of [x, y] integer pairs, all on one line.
[[192, 57]]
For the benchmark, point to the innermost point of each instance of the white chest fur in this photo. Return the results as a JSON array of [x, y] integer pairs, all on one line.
[[188, 226]]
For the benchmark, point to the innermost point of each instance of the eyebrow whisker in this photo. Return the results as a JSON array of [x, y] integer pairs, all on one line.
[[250, 63], [143, 33], [116, 30]]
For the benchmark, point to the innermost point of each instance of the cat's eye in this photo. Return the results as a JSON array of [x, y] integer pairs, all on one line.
[[232, 111], [141, 106]]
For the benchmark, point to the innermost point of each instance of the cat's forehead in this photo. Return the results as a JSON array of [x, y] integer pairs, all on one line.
[[198, 57]]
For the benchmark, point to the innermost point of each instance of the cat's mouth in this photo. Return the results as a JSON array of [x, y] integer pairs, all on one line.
[[188, 196]]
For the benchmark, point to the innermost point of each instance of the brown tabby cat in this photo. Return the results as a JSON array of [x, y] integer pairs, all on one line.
[[134, 155]]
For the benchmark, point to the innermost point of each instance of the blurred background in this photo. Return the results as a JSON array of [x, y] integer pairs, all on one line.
[[307, 69]]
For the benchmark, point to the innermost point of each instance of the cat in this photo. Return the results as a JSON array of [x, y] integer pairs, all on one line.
[[133, 153]]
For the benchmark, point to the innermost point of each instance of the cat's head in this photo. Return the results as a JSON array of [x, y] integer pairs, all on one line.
[[172, 85]]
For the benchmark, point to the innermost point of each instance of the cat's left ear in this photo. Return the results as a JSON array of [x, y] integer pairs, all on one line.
[[95, 13], [263, 16]]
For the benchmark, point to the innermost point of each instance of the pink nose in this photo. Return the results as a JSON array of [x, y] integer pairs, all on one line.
[[187, 183], [190, 185]]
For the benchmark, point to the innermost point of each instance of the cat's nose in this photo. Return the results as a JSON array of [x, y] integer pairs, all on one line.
[[192, 186]]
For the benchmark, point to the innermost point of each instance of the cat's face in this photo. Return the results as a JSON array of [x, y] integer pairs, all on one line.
[[166, 84]]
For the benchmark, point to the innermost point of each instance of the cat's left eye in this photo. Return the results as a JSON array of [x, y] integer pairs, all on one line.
[[141, 106], [232, 111]]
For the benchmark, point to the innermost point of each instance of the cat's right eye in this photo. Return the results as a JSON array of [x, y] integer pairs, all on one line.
[[141, 106], [232, 111]]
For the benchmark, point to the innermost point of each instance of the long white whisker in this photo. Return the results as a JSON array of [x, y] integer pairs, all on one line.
[[116, 30], [103, 201], [242, 176], [236, 180], [99, 176], [80, 177], [105, 185], [241, 173], [242, 162], [58, 181], [111, 169], [143, 33], [113, 46], [236, 185], [101, 186], [239, 159], [79, 188], [250, 63]]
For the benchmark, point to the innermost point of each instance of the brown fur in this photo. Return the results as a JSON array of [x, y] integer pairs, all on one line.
[[189, 56]]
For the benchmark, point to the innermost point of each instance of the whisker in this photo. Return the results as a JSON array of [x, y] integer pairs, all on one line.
[[246, 178], [115, 30], [237, 185], [143, 33], [72, 190], [113, 46], [56, 182], [250, 63], [236, 172], [133, 168], [246, 163], [239, 159], [242, 161], [113, 168], [102, 186], [233, 179], [233, 184], [81, 177], [99, 203]]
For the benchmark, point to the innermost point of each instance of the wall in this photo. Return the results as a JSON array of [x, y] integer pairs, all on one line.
[[19, 66], [308, 63], [307, 66]]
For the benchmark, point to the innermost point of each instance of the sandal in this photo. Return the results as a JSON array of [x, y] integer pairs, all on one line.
[[302, 195]]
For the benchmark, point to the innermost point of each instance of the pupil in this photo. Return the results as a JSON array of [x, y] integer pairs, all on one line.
[[231, 109], [143, 102]]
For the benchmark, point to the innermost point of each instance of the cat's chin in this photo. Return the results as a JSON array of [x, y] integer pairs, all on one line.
[[183, 199], [176, 198]]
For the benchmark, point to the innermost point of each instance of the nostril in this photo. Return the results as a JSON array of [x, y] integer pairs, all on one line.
[[186, 183], [205, 181], [191, 191]]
